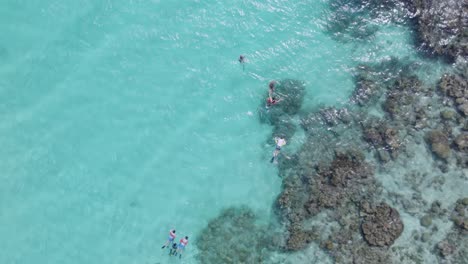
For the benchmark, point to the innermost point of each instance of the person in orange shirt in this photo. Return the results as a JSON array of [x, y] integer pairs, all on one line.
[[171, 238], [183, 242]]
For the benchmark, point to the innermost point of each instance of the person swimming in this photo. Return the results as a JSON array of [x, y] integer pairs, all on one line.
[[280, 141], [242, 61], [182, 244], [171, 238], [271, 87], [173, 249]]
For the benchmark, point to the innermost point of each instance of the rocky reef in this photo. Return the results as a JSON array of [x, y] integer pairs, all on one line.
[[235, 237], [381, 224], [441, 26], [351, 20], [439, 143], [454, 247], [339, 187], [383, 138], [455, 86], [460, 215]]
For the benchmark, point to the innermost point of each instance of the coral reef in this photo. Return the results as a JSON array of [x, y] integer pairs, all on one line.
[[460, 215], [234, 237], [455, 86], [340, 182], [454, 247], [439, 143], [441, 26], [461, 142], [381, 224], [383, 138], [325, 181], [351, 20]]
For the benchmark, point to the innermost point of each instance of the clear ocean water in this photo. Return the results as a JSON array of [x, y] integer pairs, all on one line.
[[123, 119]]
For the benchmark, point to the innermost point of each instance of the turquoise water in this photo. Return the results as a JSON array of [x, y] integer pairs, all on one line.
[[123, 119]]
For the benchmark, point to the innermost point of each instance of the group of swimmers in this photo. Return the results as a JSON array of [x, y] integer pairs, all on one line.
[[174, 247], [270, 101], [177, 249]]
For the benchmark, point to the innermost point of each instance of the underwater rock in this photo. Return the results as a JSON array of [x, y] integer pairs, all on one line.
[[439, 144], [383, 155], [382, 137], [403, 102], [441, 26], [464, 201], [437, 210], [306, 193], [298, 238], [461, 142], [234, 237], [381, 224], [290, 202], [447, 115], [344, 180], [465, 126], [426, 221], [328, 245], [445, 248], [460, 215], [364, 91], [425, 237], [351, 20], [453, 248], [332, 116], [344, 25], [366, 255], [455, 86], [345, 167], [463, 107]]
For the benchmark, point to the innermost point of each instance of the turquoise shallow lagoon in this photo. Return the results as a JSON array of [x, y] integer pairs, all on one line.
[[123, 119]]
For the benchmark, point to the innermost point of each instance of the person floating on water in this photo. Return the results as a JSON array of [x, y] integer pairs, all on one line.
[[280, 141], [241, 61], [271, 100], [182, 243], [271, 89], [173, 249], [171, 238]]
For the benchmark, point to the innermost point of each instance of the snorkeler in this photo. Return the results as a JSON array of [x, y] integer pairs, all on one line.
[[280, 141], [173, 249], [182, 243], [241, 61], [171, 238], [271, 87]]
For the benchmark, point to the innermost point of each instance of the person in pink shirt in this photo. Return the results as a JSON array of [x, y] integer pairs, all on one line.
[[182, 243], [171, 238]]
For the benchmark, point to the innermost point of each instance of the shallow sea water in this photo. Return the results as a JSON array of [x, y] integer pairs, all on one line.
[[123, 119]]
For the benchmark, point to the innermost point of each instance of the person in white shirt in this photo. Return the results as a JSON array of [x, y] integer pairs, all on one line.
[[280, 141]]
